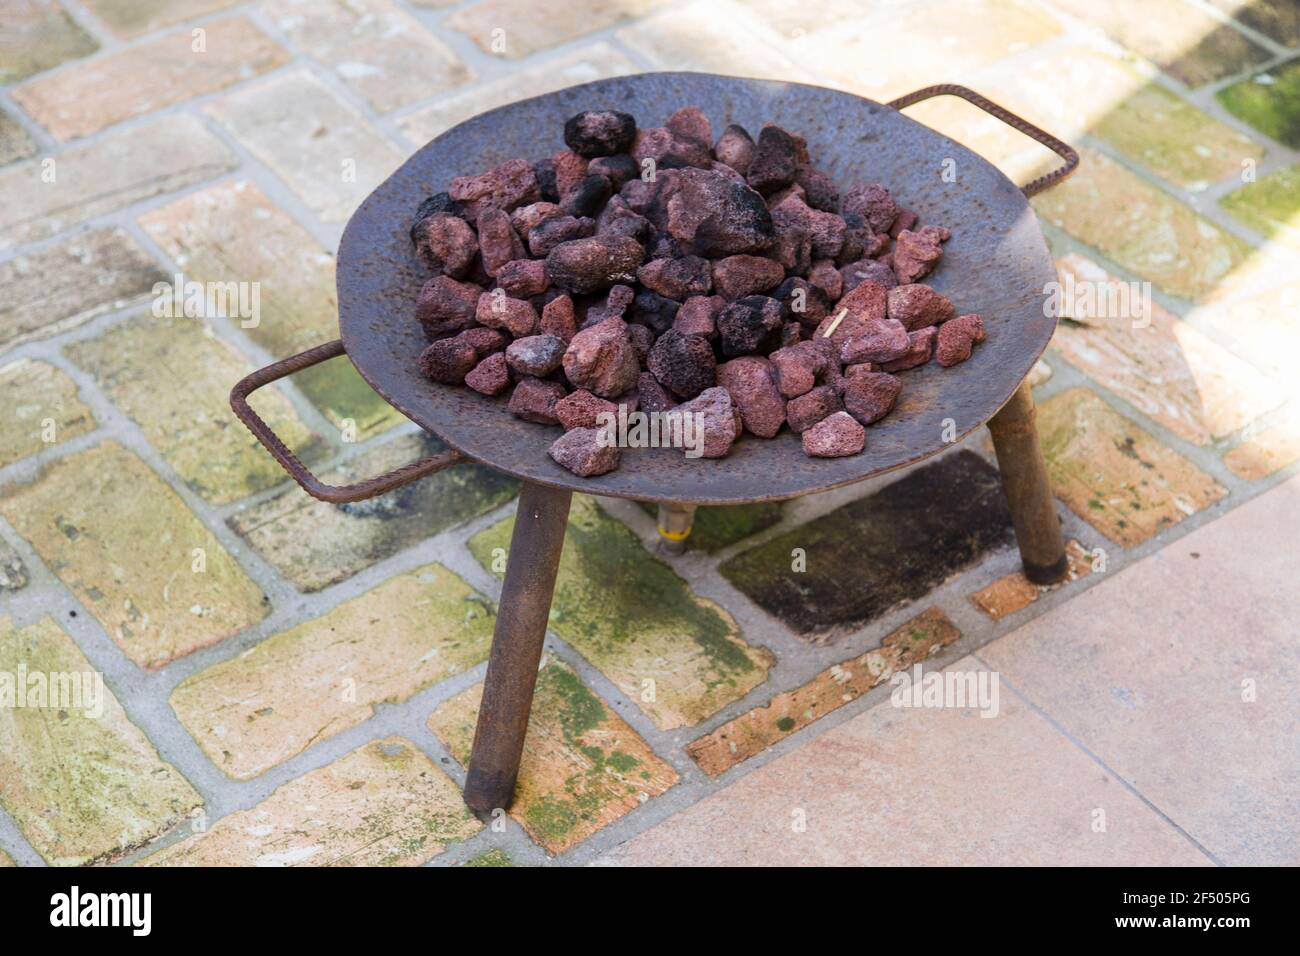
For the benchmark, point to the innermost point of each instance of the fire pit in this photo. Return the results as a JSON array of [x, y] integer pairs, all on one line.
[[996, 264]]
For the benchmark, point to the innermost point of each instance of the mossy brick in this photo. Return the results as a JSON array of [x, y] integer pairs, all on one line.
[[316, 679], [1278, 19], [152, 574], [42, 409], [583, 767], [753, 732], [128, 18], [384, 804], [83, 783], [492, 857], [716, 528], [315, 544], [1141, 227], [208, 235], [679, 656], [1268, 101], [86, 97], [63, 285], [39, 35], [172, 377], [15, 143], [1114, 475], [838, 572], [1270, 206]]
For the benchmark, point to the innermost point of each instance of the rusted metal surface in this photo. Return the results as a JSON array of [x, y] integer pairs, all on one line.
[[517, 640], [1029, 494], [336, 494], [996, 264]]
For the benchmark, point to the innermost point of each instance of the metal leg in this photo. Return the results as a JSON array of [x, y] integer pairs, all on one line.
[[1024, 479], [517, 641], [675, 526]]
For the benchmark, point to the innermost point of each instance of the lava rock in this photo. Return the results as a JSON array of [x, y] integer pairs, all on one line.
[[490, 376], [796, 368], [776, 159], [867, 270], [555, 230], [689, 122], [559, 319], [579, 410], [836, 436], [749, 325], [808, 409], [916, 253], [699, 315], [741, 275], [534, 400], [677, 278], [600, 132], [916, 306], [618, 168], [735, 148], [920, 344], [448, 361], [498, 241], [752, 386], [653, 396], [497, 310], [873, 203], [956, 338], [714, 216], [513, 183], [654, 311], [819, 190], [881, 341], [602, 360], [484, 341], [446, 305], [642, 340], [869, 397], [445, 244], [667, 150], [535, 355], [683, 364], [437, 204], [586, 452], [827, 278], [803, 300], [588, 265], [719, 420], [523, 278], [618, 219], [588, 197]]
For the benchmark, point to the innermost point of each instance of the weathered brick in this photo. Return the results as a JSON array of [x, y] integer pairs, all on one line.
[[678, 655], [381, 51], [325, 675], [323, 149], [384, 804], [1265, 452], [82, 788], [61, 286], [207, 234], [13, 573], [593, 62], [15, 144], [128, 18], [1270, 206], [7, 860], [1114, 475], [1186, 42], [1013, 592], [41, 401], [38, 35], [1141, 227], [130, 551], [514, 30], [1165, 367], [89, 96], [98, 177], [492, 857], [172, 376], [583, 767], [1267, 101], [755, 731], [314, 544], [1278, 19], [830, 576]]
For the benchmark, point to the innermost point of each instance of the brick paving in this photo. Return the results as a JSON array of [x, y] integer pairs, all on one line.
[[295, 683]]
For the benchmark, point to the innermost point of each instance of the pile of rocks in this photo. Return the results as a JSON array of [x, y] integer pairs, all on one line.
[[651, 269]]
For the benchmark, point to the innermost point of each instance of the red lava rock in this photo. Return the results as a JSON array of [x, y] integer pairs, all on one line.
[[677, 278], [777, 157], [534, 400], [882, 341], [559, 319], [826, 230], [873, 203], [589, 265], [683, 364], [738, 276], [535, 355], [653, 396], [588, 197], [483, 340], [796, 367], [752, 386], [861, 309], [715, 216], [523, 278], [527, 218], [490, 376], [570, 171], [498, 241], [448, 361], [719, 420], [870, 396], [808, 409], [642, 339], [668, 150], [735, 148], [602, 360], [805, 302], [586, 452], [689, 122], [835, 436], [920, 344], [654, 311], [956, 338], [513, 183], [579, 410], [446, 244], [752, 324], [600, 132], [699, 315], [916, 253], [906, 220], [917, 306], [497, 310], [874, 270], [618, 219], [618, 169], [820, 191], [827, 278], [446, 305], [555, 230]]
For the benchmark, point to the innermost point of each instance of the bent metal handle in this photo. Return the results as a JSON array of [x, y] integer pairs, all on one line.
[[1064, 150], [336, 494]]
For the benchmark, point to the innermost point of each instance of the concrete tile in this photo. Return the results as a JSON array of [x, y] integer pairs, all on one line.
[[509, 28], [81, 780], [872, 554], [753, 732], [1181, 673], [128, 18], [315, 544], [13, 573], [1267, 101], [39, 35], [1013, 592], [1113, 474], [920, 787], [1259, 324], [679, 656], [384, 804], [43, 409], [1265, 452], [583, 767], [129, 549]]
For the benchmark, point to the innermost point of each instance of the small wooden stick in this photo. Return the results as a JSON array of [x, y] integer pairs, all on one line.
[[830, 329]]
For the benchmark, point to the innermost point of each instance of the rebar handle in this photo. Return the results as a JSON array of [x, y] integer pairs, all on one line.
[[1062, 149], [336, 494]]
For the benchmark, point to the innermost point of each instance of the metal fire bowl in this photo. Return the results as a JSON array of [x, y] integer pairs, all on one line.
[[996, 264]]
